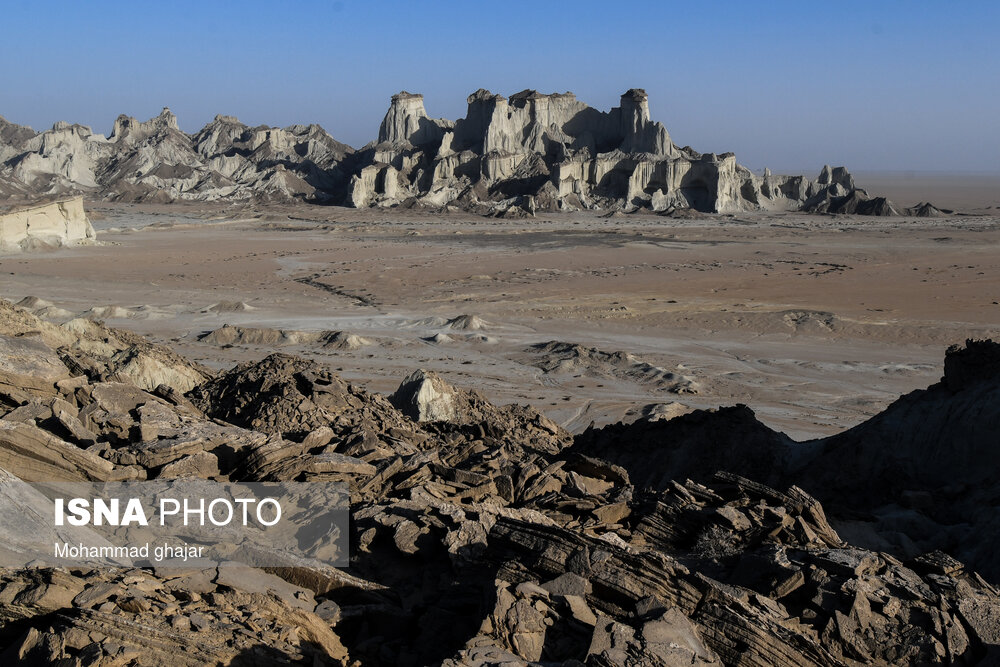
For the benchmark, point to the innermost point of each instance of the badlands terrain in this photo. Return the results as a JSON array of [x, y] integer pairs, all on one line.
[[602, 525], [598, 399], [816, 322]]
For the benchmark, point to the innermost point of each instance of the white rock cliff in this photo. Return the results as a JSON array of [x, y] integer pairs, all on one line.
[[535, 151], [507, 156], [54, 224]]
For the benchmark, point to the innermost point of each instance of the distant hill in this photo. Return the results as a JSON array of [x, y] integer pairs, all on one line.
[[508, 156]]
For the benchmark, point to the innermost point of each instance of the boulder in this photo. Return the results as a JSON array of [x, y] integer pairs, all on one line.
[[54, 224], [424, 396]]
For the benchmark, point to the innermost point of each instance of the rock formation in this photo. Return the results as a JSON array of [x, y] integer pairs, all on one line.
[[54, 224], [156, 161], [550, 152], [507, 156], [486, 535], [911, 479]]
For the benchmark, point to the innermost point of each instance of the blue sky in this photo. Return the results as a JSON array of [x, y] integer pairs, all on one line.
[[897, 85]]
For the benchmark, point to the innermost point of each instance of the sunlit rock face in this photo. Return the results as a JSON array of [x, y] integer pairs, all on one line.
[[154, 160], [508, 156], [55, 224], [535, 151]]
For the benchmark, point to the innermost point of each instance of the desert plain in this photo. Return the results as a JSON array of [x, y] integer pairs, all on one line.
[[655, 398], [816, 322]]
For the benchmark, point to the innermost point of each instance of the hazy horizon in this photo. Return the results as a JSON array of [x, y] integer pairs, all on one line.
[[899, 87]]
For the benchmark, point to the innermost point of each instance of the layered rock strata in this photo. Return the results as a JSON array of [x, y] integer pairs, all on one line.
[[488, 535]]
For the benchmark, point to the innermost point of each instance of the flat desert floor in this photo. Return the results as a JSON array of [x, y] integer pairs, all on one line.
[[815, 322]]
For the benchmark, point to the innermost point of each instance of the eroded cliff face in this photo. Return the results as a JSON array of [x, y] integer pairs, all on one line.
[[156, 161], [55, 224], [553, 152], [507, 156]]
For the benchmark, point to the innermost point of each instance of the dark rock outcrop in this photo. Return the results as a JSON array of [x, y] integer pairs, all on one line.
[[914, 478], [483, 535]]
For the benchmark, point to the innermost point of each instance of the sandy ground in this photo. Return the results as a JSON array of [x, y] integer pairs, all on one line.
[[816, 322]]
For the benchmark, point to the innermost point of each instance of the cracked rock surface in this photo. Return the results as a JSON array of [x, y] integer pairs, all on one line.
[[488, 535]]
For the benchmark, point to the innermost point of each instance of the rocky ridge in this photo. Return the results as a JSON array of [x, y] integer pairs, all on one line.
[[488, 535], [508, 156], [552, 152], [155, 161]]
